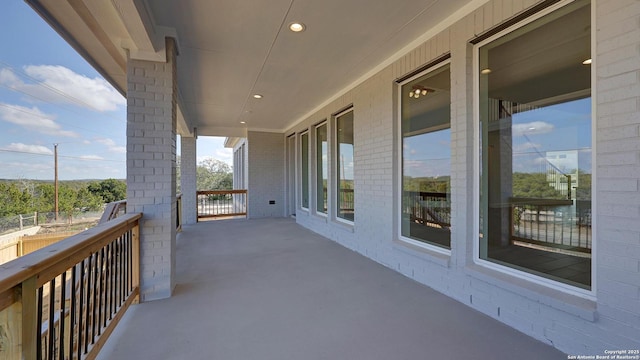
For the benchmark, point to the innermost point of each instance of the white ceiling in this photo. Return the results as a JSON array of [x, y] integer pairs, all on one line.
[[231, 49]]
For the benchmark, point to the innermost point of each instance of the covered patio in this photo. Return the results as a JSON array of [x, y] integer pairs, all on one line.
[[317, 114], [271, 289]]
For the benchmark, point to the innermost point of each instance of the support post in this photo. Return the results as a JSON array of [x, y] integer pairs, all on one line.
[[151, 167]]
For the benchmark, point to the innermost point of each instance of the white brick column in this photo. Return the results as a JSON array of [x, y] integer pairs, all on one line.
[[151, 168], [265, 184], [617, 242], [188, 180]]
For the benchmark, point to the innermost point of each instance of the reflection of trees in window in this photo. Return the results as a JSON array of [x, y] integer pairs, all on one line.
[[305, 169], [344, 160], [535, 136], [426, 158], [321, 168]]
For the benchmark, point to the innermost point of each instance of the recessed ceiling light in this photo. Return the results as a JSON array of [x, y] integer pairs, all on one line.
[[257, 96], [297, 27], [587, 62], [485, 71], [243, 122]]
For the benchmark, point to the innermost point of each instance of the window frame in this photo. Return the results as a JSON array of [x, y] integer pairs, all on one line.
[[334, 164], [434, 66], [317, 164], [589, 294], [306, 132]]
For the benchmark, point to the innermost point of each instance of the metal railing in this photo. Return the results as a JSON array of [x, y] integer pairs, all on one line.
[[428, 208], [557, 223], [63, 301], [221, 203], [179, 212]]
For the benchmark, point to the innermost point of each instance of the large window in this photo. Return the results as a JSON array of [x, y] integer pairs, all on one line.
[[344, 165], [321, 168], [535, 147], [426, 157], [304, 155]]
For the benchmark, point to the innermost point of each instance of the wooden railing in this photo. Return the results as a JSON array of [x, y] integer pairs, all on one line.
[[221, 203], [26, 244], [113, 210], [119, 208], [63, 301]]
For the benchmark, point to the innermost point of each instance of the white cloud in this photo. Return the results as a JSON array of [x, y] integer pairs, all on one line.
[[59, 84], [33, 119], [26, 170], [225, 155], [221, 155], [526, 147], [91, 157], [7, 77], [111, 145], [35, 149], [532, 128]]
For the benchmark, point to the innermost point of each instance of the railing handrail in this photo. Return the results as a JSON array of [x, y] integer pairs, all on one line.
[[540, 201], [221, 192], [112, 209], [428, 194], [64, 254]]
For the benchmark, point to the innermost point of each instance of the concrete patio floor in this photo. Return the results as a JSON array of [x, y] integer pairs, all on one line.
[[270, 289]]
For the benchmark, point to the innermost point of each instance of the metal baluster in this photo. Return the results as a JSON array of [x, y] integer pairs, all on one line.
[[81, 306], [101, 291], [39, 325], [52, 313], [87, 319], [63, 307], [94, 321], [72, 310], [121, 269]]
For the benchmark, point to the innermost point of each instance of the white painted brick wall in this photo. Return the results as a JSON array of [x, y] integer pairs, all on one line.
[[266, 174], [188, 180], [151, 172], [618, 157], [572, 324]]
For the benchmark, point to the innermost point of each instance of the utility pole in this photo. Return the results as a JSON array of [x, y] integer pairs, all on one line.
[[55, 181]]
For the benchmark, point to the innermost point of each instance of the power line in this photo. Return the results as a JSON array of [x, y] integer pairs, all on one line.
[[21, 109], [90, 159], [61, 156], [57, 91], [25, 152]]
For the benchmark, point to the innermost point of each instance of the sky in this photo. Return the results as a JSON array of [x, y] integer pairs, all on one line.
[[535, 135], [50, 95]]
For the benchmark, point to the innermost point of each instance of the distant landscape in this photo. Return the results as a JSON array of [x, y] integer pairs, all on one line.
[[24, 196]]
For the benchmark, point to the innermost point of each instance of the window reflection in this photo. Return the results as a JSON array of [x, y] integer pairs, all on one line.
[[426, 158], [305, 169], [344, 156], [321, 169], [535, 119]]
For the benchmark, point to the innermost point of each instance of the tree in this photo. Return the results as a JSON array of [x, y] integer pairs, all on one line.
[[14, 201], [534, 185], [110, 190], [213, 174], [178, 172], [86, 200]]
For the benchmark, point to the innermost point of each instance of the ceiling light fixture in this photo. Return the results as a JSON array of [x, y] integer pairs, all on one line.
[[297, 27], [587, 62], [419, 90], [257, 96], [485, 71], [243, 122]]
